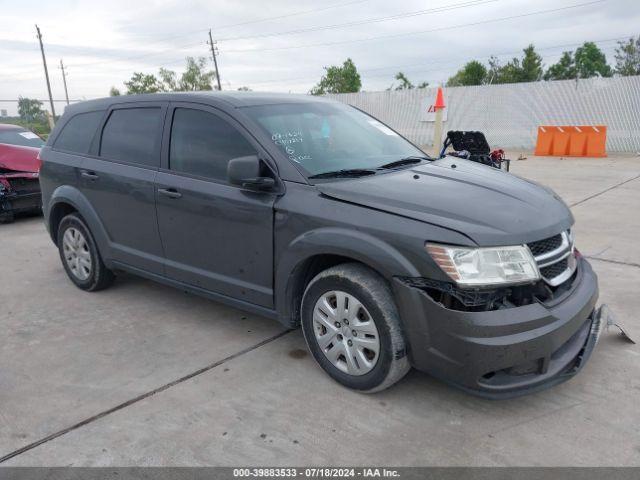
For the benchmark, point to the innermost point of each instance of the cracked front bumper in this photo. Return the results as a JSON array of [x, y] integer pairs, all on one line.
[[503, 353]]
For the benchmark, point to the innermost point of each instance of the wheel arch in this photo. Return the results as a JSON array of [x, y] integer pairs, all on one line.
[[313, 252], [66, 200]]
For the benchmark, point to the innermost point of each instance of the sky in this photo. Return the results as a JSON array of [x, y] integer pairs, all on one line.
[[283, 45]]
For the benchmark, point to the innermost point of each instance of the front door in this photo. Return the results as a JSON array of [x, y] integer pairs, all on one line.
[[215, 236]]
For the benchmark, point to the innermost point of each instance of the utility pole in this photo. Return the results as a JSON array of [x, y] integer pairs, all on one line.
[[46, 74], [64, 81], [215, 61]]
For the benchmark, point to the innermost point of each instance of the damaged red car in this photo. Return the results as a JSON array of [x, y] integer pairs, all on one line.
[[19, 167]]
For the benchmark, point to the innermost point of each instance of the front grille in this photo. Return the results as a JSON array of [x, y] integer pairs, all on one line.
[[554, 269], [547, 245], [555, 258]]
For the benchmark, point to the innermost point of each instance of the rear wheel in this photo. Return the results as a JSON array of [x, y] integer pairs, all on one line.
[[80, 256], [352, 328]]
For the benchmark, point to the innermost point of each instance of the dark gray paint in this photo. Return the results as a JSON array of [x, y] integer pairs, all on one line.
[[250, 249]]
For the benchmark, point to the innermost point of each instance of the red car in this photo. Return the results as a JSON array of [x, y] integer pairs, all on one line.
[[19, 167]]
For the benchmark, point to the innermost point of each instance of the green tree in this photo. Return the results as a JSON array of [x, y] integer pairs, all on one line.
[[591, 62], [114, 92], [344, 79], [405, 84], [565, 69], [424, 84], [531, 70], [628, 57], [525, 69], [143, 83], [473, 73], [30, 110], [195, 77], [493, 72], [168, 80]]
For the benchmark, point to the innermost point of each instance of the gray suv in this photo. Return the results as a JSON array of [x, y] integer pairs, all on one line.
[[316, 214]]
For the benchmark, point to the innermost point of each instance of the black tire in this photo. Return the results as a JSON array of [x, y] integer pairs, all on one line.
[[374, 294], [100, 276]]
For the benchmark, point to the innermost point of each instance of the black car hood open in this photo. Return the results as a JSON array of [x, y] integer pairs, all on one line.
[[488, 205]]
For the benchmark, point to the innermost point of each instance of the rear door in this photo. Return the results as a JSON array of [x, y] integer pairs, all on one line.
[[118, 179], [215, 235]]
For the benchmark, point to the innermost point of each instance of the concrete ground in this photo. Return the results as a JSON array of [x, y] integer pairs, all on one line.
[[142, 374]]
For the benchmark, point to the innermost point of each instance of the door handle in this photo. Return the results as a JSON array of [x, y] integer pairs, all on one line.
[[169, 192], [89, 175]]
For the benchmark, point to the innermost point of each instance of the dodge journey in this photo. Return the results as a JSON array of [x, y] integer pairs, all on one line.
[[311, 212]]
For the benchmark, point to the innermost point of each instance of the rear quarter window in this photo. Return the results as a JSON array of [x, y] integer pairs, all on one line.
[[132, 135], [77, 134]]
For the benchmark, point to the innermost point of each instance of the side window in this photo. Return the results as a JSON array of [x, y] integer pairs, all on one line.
[[202, 144], [77, 134], [132, 135]]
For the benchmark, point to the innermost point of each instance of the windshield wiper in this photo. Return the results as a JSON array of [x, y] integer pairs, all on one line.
[[404, 161], [349, 172]]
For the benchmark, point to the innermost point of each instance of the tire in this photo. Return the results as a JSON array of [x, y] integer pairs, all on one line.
[[371, 371], [80, 257]]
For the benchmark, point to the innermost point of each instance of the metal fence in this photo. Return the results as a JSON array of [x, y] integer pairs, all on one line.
[[509, 115]]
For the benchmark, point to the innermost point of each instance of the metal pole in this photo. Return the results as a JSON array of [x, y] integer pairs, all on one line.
[[46, 74], [215, 61], [64, 81]]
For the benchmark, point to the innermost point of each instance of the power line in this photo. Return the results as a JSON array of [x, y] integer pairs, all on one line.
[[421, 32], [327, 7], [293, 14], [482, 22], [468, 3], [400, 16], [442, 61], [136, 57], [45, 100]]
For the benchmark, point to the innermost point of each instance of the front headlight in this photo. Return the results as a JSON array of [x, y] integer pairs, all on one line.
[[485, 266]]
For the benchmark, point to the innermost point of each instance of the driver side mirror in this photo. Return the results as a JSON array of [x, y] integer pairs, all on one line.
[[247, 172]]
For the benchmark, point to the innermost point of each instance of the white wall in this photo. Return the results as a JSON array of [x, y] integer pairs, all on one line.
[[509, 115]]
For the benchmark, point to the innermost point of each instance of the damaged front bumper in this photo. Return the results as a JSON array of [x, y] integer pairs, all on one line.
[[19, 193], [506, 352]]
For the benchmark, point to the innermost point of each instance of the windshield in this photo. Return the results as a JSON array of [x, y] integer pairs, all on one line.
[[326, 137], [21, 137]]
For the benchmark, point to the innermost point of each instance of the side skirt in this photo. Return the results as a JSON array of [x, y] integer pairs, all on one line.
[[232, 302]]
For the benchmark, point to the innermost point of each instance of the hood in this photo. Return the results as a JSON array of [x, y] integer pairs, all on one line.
[[488, 205], [19, 158]]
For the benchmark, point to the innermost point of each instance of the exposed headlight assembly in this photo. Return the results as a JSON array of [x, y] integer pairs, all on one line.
[[475, 267]]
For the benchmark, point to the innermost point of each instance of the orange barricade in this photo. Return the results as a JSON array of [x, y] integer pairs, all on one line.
[[572, 141]]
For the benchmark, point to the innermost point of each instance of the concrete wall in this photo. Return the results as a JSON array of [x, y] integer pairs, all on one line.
[[510, 114]]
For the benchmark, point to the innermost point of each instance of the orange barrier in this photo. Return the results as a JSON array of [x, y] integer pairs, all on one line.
[[572, 141]]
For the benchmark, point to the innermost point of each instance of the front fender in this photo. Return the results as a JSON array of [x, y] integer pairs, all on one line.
[[359, 246], [72, 196]]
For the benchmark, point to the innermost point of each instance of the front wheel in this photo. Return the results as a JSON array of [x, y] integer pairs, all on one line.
[[352, 328]]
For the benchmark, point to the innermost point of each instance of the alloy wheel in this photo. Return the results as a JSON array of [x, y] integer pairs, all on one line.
[[346, 332], [76, 253]]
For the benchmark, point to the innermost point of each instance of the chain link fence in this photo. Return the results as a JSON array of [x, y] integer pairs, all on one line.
[[509, 115]]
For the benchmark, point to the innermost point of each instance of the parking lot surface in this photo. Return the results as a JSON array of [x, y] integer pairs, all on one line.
[[143, 374]]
